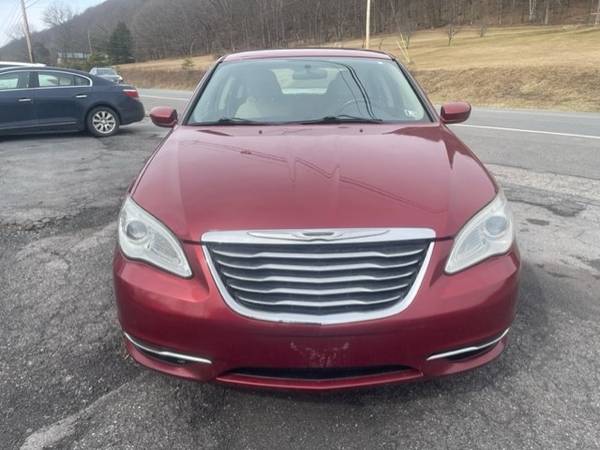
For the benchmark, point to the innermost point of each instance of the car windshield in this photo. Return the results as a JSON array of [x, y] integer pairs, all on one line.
[[311, 90], [106, 72]]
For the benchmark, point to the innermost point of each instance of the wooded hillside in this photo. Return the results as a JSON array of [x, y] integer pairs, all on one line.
[[173, 28]]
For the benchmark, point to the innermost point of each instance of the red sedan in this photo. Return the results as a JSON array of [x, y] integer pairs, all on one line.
[[310, 222]]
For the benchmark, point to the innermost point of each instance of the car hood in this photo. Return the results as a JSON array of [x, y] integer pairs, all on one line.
[[322, 176]]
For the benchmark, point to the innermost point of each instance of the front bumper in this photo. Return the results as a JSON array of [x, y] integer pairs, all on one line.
[[162, 313]]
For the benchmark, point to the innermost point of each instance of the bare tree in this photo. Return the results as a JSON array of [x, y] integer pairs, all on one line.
[[452, 11], [59, 16], [483, 17], [16, 32], [483, 29], [532, 10], [403, 19]]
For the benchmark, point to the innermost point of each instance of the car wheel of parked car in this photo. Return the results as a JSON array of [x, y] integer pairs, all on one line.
[[102, 121]]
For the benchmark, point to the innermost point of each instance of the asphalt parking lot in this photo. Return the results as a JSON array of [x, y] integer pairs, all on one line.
[[65, 381]]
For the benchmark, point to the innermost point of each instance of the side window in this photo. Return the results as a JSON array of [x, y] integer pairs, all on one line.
[[80, 81], [14, 80], [54, 79]]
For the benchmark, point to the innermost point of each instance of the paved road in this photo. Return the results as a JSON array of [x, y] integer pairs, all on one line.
[[65, 382], [543, 141]]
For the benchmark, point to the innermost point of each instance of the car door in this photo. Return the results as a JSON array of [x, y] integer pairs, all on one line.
[[61, 99], [16, 101]]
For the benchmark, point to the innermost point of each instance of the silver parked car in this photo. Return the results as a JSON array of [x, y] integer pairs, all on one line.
[[108, 73]]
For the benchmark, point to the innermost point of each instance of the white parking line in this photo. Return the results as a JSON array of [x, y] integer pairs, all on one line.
[[552, 133], [181, 99]]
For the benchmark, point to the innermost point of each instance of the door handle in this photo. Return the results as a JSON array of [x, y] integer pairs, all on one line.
[[25, 100], [81, 96]]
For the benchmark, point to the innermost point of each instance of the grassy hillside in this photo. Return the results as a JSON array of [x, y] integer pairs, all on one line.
[[554, 67]]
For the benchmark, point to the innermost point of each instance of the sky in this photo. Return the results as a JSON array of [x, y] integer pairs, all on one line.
[[10, 13]]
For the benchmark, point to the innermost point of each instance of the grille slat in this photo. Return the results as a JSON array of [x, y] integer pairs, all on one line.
[[311, 304], [237, 264], [321, 256], [374, 296], [316, 280], [320, 292], [315, 277]]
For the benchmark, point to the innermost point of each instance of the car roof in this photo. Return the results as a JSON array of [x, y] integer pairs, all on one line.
[[60, 69], [306, 52]]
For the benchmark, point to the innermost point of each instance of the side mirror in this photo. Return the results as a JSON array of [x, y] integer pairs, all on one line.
[[163, 116], [455, 112]]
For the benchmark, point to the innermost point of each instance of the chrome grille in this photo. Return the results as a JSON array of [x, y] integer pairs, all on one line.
[[313, 278]]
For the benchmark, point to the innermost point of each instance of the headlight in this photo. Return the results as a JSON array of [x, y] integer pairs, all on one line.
[[490, 232], [143, 237]]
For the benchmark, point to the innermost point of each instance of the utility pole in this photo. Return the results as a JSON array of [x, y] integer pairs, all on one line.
[[27, 33], [368, 26], [597, 19]]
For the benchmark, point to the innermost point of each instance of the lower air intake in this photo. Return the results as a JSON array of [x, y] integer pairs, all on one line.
[[320, 373]]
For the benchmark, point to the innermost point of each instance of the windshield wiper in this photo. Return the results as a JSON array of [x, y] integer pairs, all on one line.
[[342, 118], [232, 121]]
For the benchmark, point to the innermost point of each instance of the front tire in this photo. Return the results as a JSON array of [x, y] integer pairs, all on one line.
[[102, 121]]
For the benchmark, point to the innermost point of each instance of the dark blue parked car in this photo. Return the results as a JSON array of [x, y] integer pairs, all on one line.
[[45, 99]]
